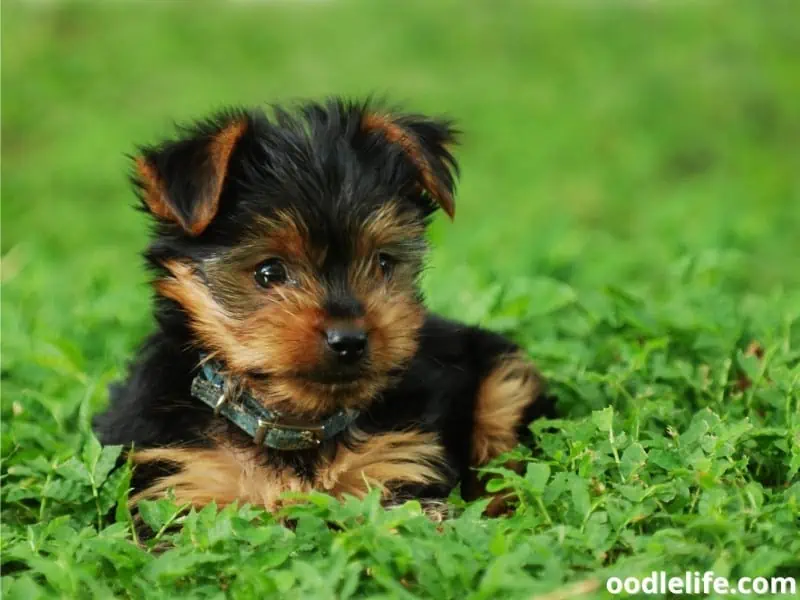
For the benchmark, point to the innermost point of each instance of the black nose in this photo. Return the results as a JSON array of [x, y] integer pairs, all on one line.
[[348, 343]]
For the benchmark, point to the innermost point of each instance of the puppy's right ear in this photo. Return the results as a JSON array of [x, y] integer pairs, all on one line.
[[181, 181]]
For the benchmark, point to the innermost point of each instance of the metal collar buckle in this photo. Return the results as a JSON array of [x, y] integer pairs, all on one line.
[[309, 437]]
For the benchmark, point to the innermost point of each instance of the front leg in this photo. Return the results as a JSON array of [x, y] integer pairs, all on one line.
[[226, 472]]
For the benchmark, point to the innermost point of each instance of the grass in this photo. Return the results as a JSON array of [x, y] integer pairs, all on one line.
[[628, 212]]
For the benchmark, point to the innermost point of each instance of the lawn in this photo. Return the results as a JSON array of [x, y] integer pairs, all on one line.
[[629, 212]]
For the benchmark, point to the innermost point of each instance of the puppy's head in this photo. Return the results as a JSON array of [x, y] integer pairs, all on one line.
[[292, 245]]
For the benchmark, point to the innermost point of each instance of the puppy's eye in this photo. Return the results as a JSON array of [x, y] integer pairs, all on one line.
[[270, 272], [386, 263]]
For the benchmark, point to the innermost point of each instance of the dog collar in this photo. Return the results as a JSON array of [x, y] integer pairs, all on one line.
[[267, 427]]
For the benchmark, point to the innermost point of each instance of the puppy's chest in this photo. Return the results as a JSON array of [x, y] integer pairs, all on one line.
[[228, 473]]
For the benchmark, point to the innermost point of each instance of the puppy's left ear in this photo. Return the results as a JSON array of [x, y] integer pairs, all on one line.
[[181, 180], [426, 142]]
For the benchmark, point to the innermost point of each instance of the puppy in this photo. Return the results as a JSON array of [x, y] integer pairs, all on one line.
[[293, 351]]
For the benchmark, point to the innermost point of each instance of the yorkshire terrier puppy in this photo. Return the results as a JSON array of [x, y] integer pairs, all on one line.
[[293, 351]]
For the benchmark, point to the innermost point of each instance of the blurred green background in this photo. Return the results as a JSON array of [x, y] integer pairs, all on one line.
[[606, 143]]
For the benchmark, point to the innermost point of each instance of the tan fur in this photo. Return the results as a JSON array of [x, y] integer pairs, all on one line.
[[283, 235], [226, 474], [382, 460], [155, 195], [220, 152], [393, 313], [387, 228], [280, 331], [299, 396], [154, 192], [396, 134], [502, 398], [214, 325], [223, 475], [282, 336], [393, 322]]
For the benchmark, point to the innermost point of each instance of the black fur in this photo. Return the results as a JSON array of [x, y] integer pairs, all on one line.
[[317, 161]]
